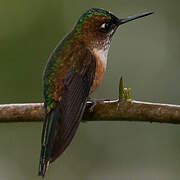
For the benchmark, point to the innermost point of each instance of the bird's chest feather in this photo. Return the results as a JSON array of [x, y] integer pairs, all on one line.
[[101, 61]]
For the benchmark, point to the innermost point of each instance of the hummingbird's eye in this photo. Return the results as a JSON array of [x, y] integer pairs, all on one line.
[[105, 26]]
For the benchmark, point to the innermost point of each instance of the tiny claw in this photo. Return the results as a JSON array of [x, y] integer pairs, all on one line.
[[94, 103], [91, 109]]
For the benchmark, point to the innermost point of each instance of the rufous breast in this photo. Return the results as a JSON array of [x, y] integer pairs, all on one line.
[[100, 68]]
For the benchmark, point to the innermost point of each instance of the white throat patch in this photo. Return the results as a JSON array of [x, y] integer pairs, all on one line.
[[102, 54]]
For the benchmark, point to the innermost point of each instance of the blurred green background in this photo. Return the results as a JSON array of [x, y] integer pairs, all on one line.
[[146, 52]]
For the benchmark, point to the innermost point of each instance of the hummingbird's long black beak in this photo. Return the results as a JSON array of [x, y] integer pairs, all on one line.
[[131, 18]]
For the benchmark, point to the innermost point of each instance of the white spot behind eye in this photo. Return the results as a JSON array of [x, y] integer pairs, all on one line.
[[103, 26]]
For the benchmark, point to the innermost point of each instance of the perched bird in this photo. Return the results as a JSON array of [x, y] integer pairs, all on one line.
[[74, 70]]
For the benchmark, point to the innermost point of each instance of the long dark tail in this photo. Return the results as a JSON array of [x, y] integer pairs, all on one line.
[[43, 164], [46, 141]]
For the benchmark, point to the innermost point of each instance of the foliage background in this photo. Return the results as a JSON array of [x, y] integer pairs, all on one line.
[[146, 52]]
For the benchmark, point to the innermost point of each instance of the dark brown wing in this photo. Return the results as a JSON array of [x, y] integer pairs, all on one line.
[[70, 108]]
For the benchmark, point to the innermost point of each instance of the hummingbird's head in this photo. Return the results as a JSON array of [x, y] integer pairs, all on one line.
[[97, 26]]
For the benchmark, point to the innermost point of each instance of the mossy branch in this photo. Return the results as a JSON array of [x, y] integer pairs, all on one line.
[[123, 109]]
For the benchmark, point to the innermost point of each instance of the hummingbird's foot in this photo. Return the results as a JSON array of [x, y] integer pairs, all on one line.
[[94, 102]]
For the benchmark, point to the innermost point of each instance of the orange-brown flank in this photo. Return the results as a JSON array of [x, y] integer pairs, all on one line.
[[100, 69]]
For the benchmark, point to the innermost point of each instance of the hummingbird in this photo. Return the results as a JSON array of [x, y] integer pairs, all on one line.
[[74, 70]]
